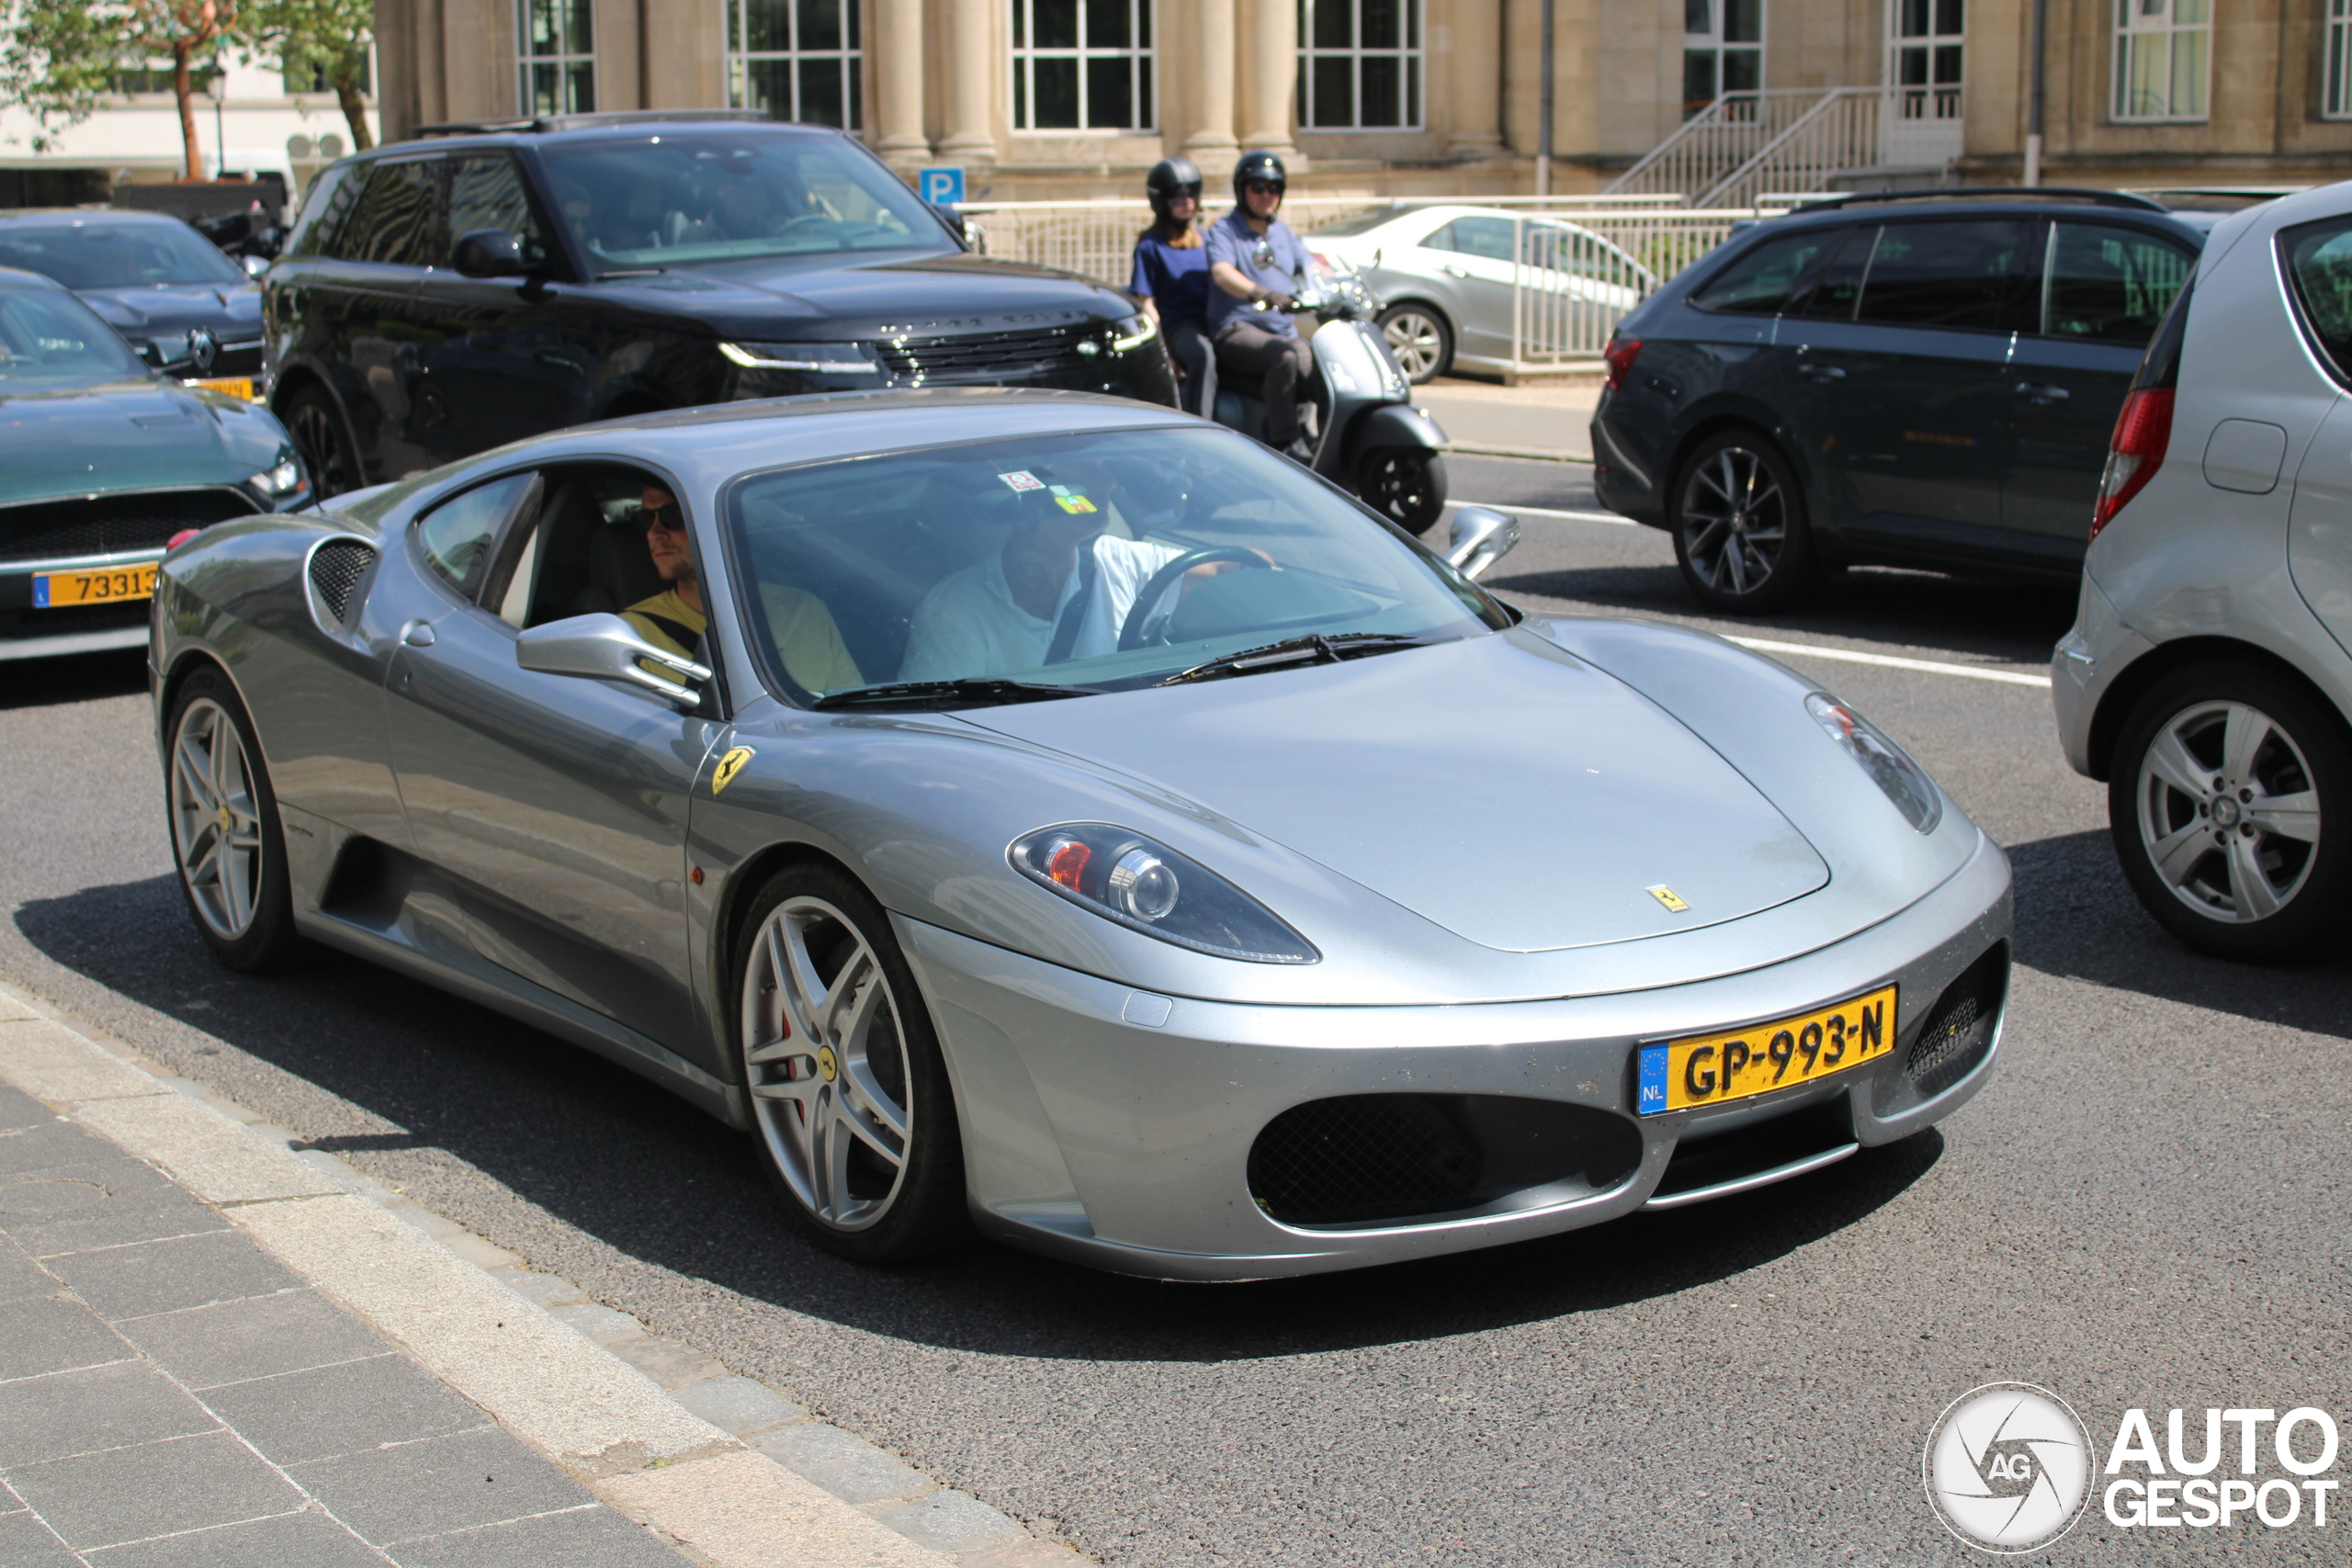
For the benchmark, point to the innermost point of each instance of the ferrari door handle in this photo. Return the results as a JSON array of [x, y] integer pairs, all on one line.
[[1824, 372], [417, 634], [2042, 392]]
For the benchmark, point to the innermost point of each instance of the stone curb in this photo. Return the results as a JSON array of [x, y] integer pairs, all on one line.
[[732, 1473]]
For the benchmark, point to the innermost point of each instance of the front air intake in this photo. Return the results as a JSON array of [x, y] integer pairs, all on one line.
[[337, 567], [1959, 1032]]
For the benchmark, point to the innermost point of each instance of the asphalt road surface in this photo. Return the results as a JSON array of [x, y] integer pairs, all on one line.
[[2147, 1208]]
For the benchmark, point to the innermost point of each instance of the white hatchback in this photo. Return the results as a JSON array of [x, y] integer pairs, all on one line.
[[2207, 678]]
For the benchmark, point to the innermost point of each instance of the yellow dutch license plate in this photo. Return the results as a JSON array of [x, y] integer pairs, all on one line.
[[56, 589], [1715, 1069], [236, 385]]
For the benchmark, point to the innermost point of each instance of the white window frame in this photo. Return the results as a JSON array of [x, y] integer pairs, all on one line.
[[2335, 88], [1142, 55], [1412, 55], [2151, 24], [570, 52], [1934, 98], [851, 54]]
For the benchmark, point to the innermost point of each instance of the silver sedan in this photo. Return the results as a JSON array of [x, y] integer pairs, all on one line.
[[1015, 811]]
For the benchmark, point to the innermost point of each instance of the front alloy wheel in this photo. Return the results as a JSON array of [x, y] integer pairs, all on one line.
[[2217, 803], [1420, 339], [1740, 531], [225, 836]]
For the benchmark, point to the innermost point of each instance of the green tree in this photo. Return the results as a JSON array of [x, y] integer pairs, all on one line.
[[319, 37], [59, 58]]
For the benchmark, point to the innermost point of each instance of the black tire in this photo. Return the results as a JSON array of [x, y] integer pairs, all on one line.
[[1740, 535], [316, 425], [2230, 801], [1406, 486], [227, 844], [862, 1067], [1422, 339]]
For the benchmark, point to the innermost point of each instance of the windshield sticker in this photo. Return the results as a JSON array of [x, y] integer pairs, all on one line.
[[1023, 479], [1070, 501]]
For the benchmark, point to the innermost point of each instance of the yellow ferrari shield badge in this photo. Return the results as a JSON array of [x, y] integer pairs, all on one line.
[[728, 766], [1663, 894]]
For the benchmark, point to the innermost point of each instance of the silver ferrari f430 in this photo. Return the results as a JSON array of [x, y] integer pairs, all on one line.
[[1052, 816]]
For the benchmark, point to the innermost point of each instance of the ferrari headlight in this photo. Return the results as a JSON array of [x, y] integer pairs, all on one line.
[[1899, 778], [1146, 886], [1133, 333]]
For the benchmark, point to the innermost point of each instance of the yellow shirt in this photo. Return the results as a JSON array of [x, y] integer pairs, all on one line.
[[805, 634]]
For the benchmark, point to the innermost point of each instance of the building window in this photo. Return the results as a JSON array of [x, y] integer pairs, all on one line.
[[1359, 64], [799, 60], [2338, 105], [2164, 53], [1082, 65], [1723, 51], [1929, 36], [559, 57]]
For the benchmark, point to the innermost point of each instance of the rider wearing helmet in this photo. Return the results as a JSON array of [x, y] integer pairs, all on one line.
[[1253, 258], [1171, 272]]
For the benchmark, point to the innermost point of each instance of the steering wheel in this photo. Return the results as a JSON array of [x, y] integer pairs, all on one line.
[[802, 221], [1139, 628]]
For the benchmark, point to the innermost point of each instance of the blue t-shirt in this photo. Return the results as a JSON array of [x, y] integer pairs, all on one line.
[[1272, 260], [1178, 280]]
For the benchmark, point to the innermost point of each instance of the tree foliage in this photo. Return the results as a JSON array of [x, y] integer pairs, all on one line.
[[323, 37], [59, 58]]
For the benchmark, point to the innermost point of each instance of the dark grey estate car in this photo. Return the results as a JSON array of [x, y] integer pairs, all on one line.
[[1924, 380]]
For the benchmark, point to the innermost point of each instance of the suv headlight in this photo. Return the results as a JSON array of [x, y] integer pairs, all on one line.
[[824, 358], [1899, 778], [1146, 886], [1133, 334]]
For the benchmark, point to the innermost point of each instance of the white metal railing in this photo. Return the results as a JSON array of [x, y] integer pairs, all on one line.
[[1797, 140]]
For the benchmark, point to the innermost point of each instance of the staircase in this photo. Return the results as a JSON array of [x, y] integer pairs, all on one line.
[[1745, 144]]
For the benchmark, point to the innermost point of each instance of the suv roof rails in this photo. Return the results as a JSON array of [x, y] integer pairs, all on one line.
[[608, 120], [1998, 193]]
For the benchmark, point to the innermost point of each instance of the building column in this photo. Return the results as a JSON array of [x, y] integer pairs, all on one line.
[[1270, 77], [896, 54], [1471, 46], [971, 66], [1212, 44]]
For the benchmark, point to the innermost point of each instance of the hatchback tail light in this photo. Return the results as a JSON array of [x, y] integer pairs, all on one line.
[[2142, 431], [1620, 354]]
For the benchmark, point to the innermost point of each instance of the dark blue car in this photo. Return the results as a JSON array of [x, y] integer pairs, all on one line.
[[1922, 379]]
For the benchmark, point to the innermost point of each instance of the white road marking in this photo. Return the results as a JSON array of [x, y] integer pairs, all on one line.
[[1546, 512], [1851, 656]]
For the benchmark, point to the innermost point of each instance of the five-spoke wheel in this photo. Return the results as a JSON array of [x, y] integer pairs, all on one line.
[[225, 834], [848, 1093], [1739, 527], [2218, 792]]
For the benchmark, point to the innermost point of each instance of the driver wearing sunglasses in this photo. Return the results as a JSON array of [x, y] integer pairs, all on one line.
[[806, 638]]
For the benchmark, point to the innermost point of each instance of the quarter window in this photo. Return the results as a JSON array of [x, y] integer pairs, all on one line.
[[396, 222], [799, 60], [1082, 66], [1970, 276], [559, 56], [1760, 283], [1359, 64], [2108, 284], [456, 536], [2163, 58], [2318, 258]]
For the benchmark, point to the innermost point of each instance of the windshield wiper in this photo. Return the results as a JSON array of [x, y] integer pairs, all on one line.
[[971, 689], [1315, 648]]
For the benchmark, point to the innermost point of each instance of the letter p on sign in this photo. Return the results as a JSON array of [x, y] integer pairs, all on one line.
[[941, 185]]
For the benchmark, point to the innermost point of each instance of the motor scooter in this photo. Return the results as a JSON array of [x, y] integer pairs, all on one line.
[[1358, 418]]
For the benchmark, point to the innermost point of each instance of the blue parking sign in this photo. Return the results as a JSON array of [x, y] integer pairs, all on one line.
[[941, 185]]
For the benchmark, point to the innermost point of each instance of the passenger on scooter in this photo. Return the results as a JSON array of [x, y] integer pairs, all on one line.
[[1172, 273], [1253, 257]]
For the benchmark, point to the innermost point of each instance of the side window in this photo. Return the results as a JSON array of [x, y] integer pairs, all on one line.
[[1487, 238], [2318, 258], [486, 192], [1440, 239], [2109, 284], [324, 210], [1839, 287], [1761, 281], [1970, 275], [396, 219], [458, 537]]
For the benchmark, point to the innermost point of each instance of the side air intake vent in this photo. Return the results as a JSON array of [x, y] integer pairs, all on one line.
[[337, 567], [1961, 1028]]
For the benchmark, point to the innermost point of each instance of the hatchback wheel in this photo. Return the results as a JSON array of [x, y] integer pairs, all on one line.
[[1420, 338], [850, 1100], [317, 429], [2230, 800], [1739, 527], [226, 839]]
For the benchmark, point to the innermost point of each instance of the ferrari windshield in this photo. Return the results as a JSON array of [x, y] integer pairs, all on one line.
[[1085, 563], [675, 200], [51, 341], [117, 256]]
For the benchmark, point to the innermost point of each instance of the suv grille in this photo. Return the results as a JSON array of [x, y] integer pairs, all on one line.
[[111, 524], [335, 570], [985, 356]]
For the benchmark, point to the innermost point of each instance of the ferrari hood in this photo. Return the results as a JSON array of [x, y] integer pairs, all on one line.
[[1496, 786]]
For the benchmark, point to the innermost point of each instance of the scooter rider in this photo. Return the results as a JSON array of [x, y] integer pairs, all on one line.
[[1254, 256], [1171, 272]]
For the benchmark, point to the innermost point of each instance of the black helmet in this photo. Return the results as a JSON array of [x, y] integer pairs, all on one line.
[[1169, 178], [1258, 164]]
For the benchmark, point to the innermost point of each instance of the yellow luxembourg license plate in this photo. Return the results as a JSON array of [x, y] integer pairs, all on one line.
[[236, 385], [56, 589], [1713, 1069]]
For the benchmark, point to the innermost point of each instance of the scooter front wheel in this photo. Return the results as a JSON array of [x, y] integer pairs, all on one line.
[[1405, 486]]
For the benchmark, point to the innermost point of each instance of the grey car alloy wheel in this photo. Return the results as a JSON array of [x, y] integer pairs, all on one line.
[[827, 1065], [1421, 341], [216, 821], [2227, 812], [1735, 520]]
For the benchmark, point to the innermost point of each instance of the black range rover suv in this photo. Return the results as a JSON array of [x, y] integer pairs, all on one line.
[[443, 295], [1925, 378]]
